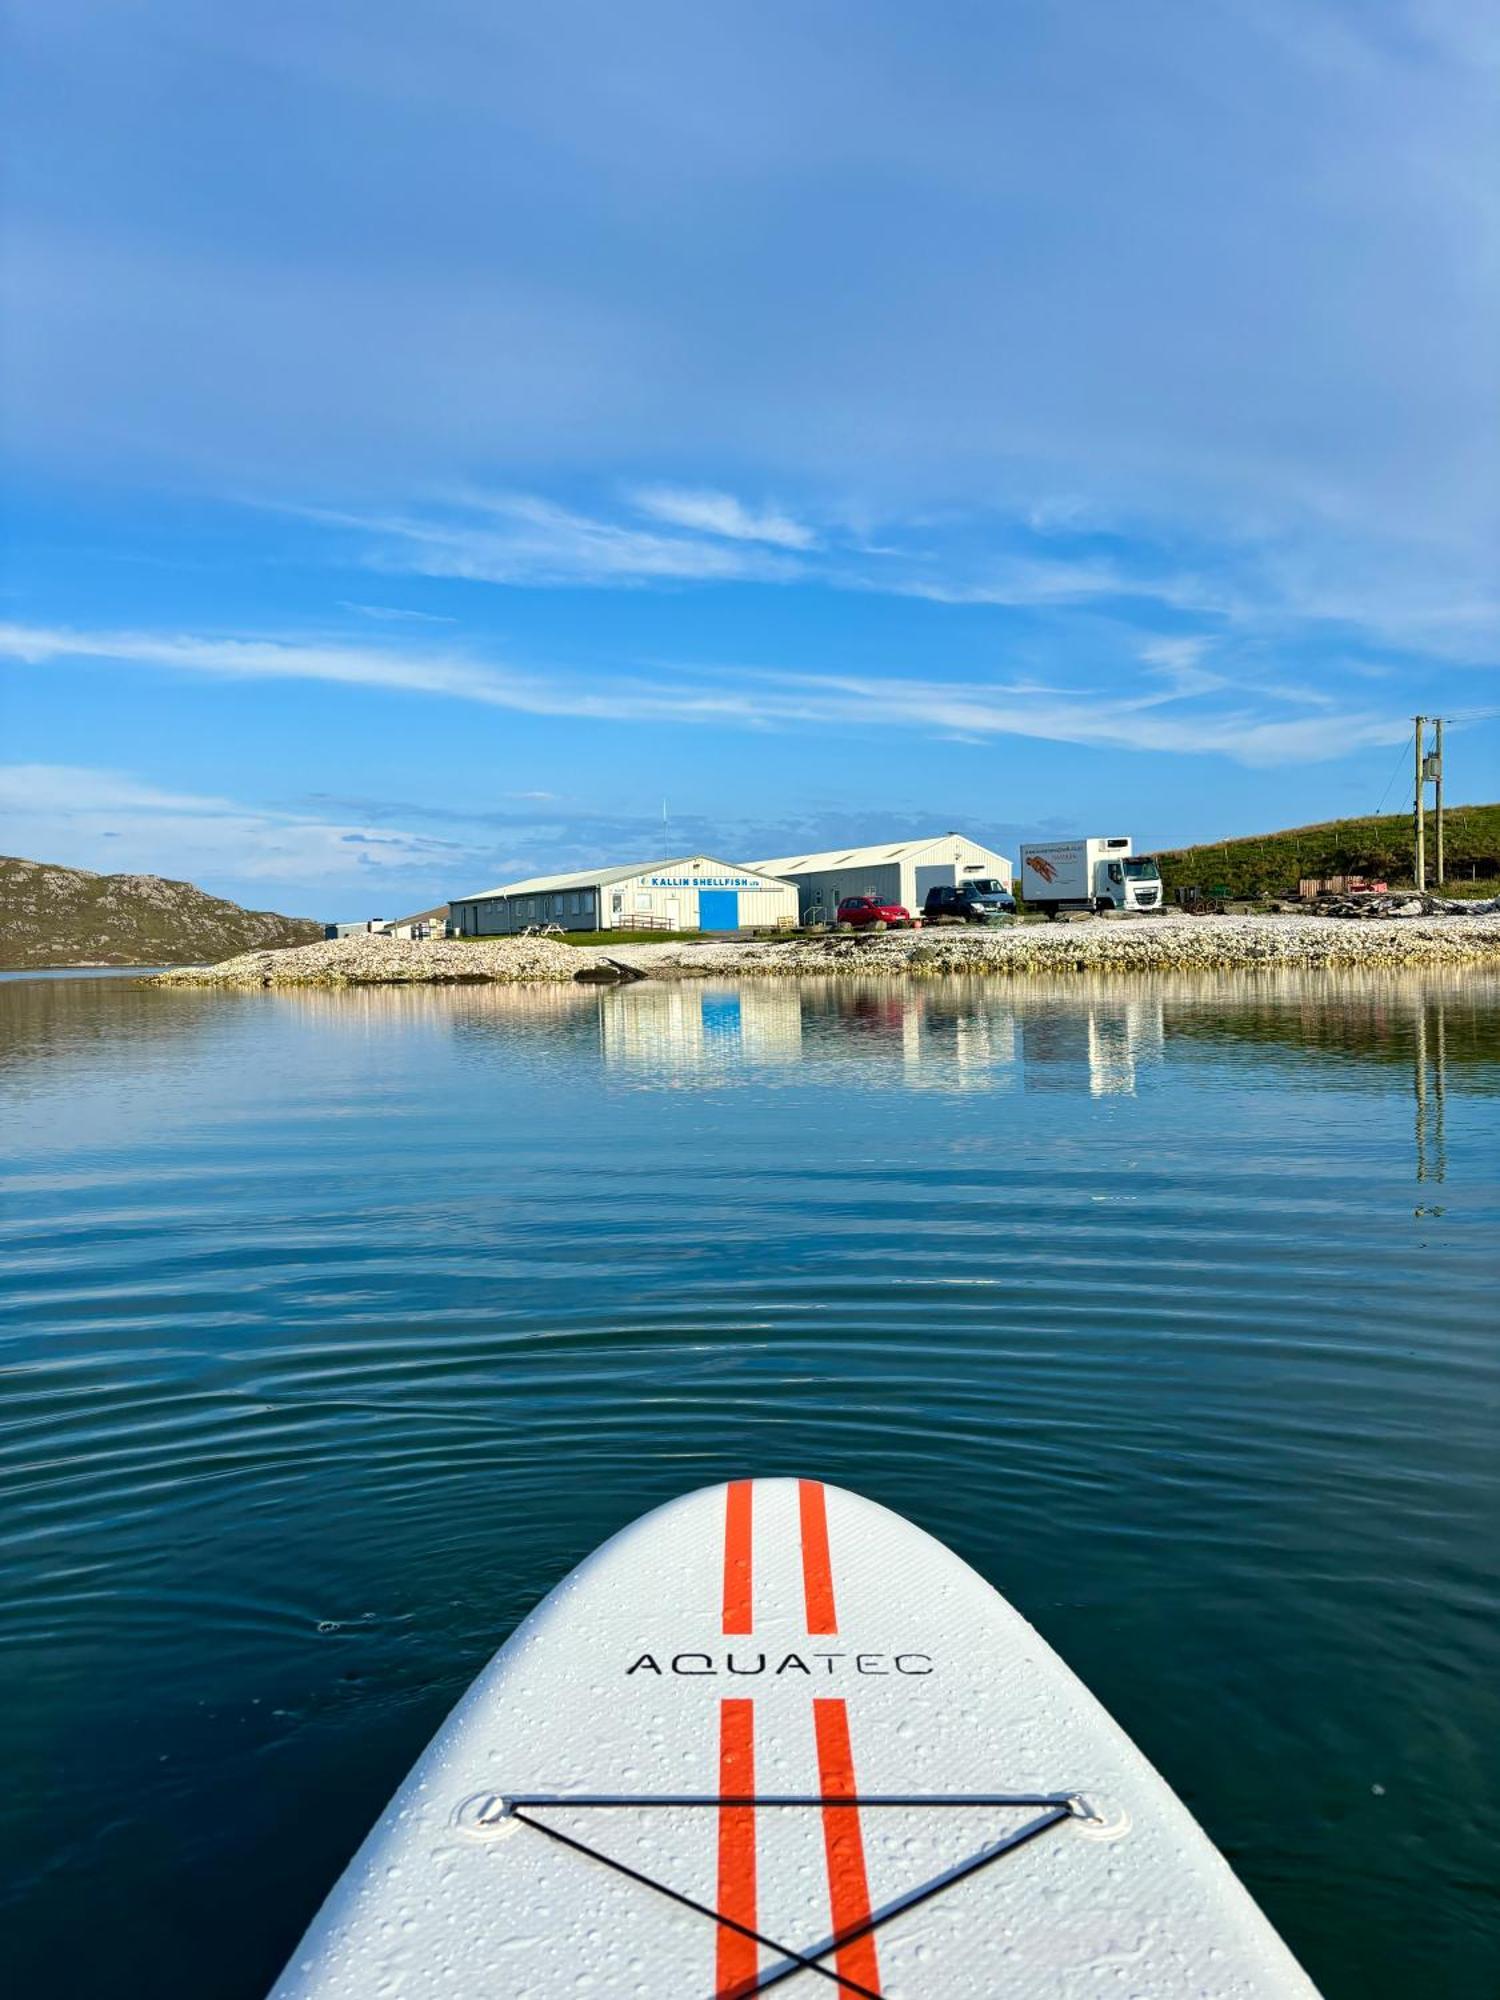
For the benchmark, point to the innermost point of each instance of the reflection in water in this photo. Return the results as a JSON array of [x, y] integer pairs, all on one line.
[[1430, 1071], [698, 1035], [957, 1036], [1102, 1037]]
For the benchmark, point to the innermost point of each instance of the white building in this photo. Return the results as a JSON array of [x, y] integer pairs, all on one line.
[[424, 924], [686, 893], [898, 871]]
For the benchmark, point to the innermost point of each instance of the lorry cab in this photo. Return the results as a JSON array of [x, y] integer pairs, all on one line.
[[1133, 883]]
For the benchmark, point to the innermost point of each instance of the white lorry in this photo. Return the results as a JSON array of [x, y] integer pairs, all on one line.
[[1059, 875]]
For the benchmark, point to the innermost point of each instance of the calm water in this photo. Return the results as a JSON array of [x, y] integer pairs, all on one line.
[[339, 1327]]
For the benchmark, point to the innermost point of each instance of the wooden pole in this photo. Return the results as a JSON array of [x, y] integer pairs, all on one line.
[[1419, 830], [1438, 747]]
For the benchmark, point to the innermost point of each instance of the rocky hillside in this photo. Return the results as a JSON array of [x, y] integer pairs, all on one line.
[[1271, 864], [67, 916]]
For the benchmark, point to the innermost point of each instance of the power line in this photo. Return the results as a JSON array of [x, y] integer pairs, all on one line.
[[1400, 760]]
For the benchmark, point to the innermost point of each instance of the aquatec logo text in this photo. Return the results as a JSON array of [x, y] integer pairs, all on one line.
[[694, 1666]]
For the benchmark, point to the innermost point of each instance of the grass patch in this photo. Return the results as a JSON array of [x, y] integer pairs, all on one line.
[[654, 937], [1271, 864]]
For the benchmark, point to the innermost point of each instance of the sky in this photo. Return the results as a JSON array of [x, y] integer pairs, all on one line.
[[444, 444]]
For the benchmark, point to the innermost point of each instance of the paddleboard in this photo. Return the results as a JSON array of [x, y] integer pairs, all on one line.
[[775, 1735]]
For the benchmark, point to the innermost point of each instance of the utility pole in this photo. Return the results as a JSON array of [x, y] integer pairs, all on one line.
[[1419, 828], [1438, 755]]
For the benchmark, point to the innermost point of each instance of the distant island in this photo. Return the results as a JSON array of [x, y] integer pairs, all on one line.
[[50, 915]]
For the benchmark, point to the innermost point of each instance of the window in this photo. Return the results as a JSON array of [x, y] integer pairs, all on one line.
[[1116, 872], [643, 899]]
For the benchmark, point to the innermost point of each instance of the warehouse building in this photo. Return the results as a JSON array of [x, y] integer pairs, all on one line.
[[896, 871], [431, 923], [687, 893], [366, 928]]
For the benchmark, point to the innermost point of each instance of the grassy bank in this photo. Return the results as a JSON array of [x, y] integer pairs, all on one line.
[[1272, 864]]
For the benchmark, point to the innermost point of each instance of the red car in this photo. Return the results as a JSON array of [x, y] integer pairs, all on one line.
[[869, 913]]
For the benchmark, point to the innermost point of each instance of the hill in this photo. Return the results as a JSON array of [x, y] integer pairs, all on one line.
[[67, 916], [1271, 864]]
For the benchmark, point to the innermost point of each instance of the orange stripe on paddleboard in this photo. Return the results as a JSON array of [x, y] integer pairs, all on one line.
[[844, 1845], [738, 1609], [817, 1570], [738, 1961]]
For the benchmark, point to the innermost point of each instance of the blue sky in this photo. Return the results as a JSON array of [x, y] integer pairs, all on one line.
[[433, 437]]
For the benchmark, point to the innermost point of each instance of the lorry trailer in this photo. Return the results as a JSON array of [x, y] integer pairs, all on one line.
[[1097, 874]]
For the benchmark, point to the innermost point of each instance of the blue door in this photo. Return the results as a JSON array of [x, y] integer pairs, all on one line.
[[718, 910]]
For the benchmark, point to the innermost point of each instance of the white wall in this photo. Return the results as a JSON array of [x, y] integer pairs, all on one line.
[[650, 900], [669, 897], [828, 888], [949, 859]]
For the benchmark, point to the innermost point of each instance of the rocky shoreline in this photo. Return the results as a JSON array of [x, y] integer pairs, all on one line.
[[371, 960], [1168, 943]]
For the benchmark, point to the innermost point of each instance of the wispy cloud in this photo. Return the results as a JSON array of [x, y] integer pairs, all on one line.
[[972, 558], [395, 614], [525, 539], [77, 814], [521, 538], [712, 513], [1168, 715]]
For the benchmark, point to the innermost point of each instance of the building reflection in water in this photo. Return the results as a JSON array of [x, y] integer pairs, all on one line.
[[1095, 1037], [1107, 1036], [700, 1034], [947, 1036]]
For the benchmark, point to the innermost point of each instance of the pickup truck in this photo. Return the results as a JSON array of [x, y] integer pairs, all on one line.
[[869, 913], [976, 902]]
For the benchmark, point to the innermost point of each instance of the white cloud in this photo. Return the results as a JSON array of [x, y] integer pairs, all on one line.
[[519, 538], [76, 814], [1137, 719], [1254, 581], [394, 614], [712, 513], [1177, 654], [416, 672]]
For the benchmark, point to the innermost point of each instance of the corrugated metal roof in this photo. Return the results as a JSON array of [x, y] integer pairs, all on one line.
[[877, 854], [600, 878], [419, 916]]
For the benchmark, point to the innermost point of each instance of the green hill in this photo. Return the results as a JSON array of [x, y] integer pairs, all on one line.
[[67, 916], [1272, 864]]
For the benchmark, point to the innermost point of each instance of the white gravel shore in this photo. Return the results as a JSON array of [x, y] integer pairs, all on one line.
[[368, 960], [1151, 944], [1168, 943]]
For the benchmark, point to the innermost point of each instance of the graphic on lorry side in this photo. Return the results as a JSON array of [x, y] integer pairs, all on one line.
[[1043, 867]]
